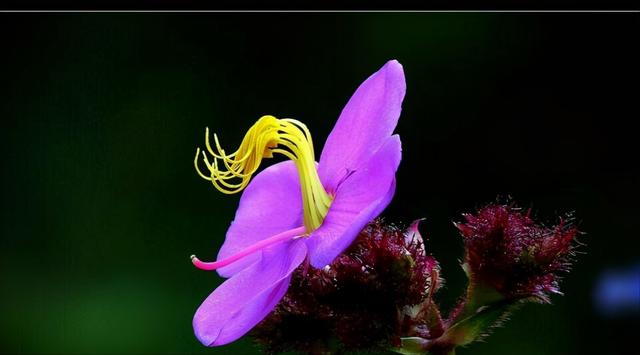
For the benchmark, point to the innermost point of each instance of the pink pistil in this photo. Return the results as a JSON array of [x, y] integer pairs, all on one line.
[[290, 234]]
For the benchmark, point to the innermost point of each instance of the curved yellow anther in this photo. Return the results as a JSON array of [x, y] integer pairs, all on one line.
[[269, 135]]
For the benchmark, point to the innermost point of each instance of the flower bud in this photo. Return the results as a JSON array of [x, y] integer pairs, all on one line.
[[365, 300], [507, 251]]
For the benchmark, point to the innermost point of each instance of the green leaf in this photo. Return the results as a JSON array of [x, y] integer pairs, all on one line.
[[471, 328], [412, 346]]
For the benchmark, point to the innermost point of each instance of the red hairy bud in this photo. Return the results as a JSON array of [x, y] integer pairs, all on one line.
[[361, 299], [506, 250]]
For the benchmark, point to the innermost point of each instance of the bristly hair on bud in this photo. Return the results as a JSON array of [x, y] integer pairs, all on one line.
[[371, 295], [509, 252]]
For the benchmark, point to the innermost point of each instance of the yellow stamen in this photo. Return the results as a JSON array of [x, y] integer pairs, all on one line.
[[269, 135]]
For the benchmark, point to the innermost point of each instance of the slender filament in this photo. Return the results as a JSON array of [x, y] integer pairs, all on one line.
[[231, 173], [287, 235]]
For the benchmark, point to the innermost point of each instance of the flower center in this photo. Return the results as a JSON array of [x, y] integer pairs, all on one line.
[[267, 136]]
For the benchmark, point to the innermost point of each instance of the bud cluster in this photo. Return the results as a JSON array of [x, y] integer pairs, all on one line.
[[356, 302], [378, 295]]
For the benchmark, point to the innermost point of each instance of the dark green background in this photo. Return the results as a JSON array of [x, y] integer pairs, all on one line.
[[101, 114]]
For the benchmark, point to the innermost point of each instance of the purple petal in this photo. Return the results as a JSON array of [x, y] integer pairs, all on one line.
[[271, 204], [359, 198], [365, 123], [242, 301]]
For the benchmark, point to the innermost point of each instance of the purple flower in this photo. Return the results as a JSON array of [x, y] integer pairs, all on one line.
[[298, 209]]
